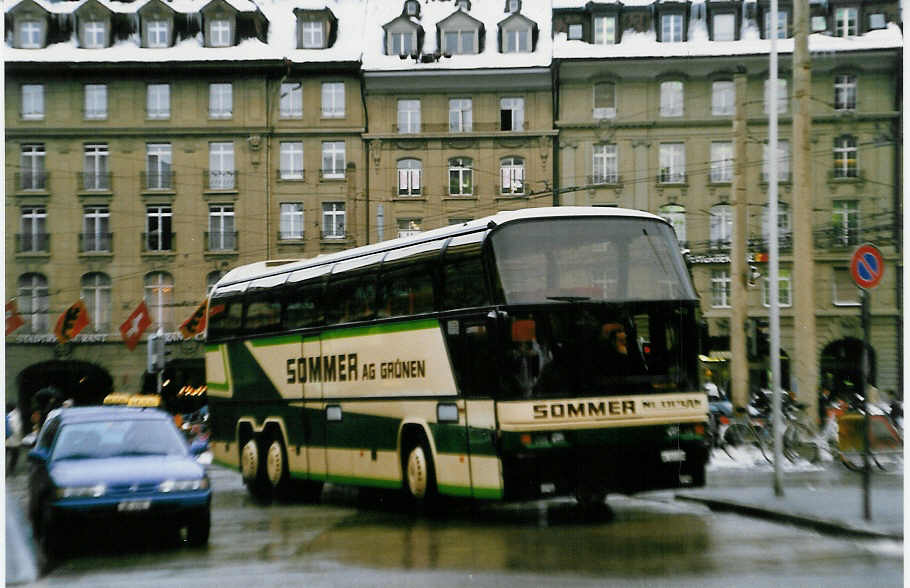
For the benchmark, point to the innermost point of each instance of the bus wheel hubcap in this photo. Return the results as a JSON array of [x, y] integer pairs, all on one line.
[[249, 460], [417, 472], [274, 463]]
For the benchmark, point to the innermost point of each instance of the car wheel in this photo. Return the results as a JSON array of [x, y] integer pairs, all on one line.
[[197, 531], [252, 468]]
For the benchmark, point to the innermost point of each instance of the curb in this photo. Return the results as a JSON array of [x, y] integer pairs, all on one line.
[[831, 527]]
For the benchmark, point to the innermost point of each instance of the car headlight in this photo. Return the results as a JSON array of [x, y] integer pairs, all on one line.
[[183, 485], [81, 491]]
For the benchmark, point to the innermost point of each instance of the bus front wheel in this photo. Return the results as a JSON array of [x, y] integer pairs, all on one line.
[[252, 468], [420, 474]]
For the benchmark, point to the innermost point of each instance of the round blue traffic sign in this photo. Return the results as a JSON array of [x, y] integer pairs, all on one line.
[[867, 266]]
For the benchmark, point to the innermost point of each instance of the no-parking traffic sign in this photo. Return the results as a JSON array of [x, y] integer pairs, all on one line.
[[867, 266]]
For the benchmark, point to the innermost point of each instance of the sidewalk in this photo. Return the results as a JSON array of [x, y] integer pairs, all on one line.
[[828, 499]]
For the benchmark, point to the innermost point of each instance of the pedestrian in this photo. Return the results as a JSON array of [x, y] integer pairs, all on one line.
[[13, 437]]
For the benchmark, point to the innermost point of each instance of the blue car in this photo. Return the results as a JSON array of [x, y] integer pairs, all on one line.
[[115, 465]]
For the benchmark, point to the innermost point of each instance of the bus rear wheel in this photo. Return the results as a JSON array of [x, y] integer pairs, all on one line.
[[420, 474], [252, 468], [276, 466]]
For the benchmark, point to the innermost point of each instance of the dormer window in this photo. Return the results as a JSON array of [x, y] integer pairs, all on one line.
[[723, 27], [576, 32], [30, 33], [782, 25], [412, 8], [463, 4], [845, 22], [312, 34], [513, 6], [605, 30], [517, 41], [93, 34], [876, 21], [671, 28], [220, 32], [402, 43], [157, 33], [459, 42]]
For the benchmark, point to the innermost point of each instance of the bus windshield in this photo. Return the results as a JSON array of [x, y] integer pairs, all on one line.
[[600, 259]]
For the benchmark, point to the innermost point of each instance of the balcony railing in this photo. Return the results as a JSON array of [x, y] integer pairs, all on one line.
[[33, 243], [221, 241], [671, 177], [610, 178], [158, 180], [332, 174], [512, 191], [290, 175], [784, 243], [217, 179], [34, 180], [839, 173], [156, 242], [95, 180], [290, 235], [95, 242], [333, 235], [783, 177], [838, 238], [719, 245]]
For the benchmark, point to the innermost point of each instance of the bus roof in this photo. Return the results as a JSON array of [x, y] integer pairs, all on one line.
[[262, 269]]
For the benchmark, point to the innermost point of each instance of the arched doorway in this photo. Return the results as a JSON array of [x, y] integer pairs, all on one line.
[[841, 362], [84, 382]]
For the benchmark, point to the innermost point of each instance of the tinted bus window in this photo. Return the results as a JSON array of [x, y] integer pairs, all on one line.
[[263, 312], [464, 284], [404, 291], [304, 305], [224, 318], [351, 299]]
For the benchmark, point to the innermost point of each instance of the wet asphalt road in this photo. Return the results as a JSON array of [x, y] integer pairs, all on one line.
[[368, 539]]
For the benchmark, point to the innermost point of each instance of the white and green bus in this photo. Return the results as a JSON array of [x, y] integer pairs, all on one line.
[[533, 353]]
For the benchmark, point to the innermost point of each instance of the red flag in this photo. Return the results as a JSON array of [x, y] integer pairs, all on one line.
[[13, 319], [136, 324], [74, 319], [195, 324]]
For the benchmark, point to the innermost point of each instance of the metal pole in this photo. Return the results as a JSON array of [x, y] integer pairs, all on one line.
[[773, 279], [739, 301], [863, 378]]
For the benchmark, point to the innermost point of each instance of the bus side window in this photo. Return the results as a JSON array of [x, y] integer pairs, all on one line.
[[224, 318], [263, 313], [303, 306], [406, 291], [464, 283], [351, 299]]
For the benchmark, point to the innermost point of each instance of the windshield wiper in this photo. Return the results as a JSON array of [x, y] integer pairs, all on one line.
[[569, 299]]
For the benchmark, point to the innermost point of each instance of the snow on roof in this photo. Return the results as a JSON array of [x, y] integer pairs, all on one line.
[[489, 12]]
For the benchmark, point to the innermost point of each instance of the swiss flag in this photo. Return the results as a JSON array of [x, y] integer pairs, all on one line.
[[136, 324], [74, 319], [13, 319]]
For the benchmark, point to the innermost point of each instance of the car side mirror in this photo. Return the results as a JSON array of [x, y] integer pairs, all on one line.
[[38, 456]]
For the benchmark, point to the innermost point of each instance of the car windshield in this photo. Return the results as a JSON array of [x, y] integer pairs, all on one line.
[[99, 439]]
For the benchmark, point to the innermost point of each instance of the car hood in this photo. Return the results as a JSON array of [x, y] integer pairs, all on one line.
[[125, 470]]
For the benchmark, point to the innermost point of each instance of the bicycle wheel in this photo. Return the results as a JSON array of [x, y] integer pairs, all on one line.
[[799, 443], [741, 435], [852, 460]]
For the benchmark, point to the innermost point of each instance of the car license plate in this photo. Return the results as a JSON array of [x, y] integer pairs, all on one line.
[[134, 505], [672, 455]]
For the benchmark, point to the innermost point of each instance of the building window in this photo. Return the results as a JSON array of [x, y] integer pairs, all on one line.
[[459, 42], [159, 297], [724, 27], [158, 166], [157, 33], [460, 115], [604, 100], [783, 162], [221, 166], [93, 34], [220, 33], [845, 22], [782, 25], [846, 292], [291, 102], [95, 171], [30, 34], [158, 228], [408, 227], [676, 216], [31, 167], [312, 34], [513, 5], [605, 165], [720, 226], [96, 293], [604, 30], [671, 98], [409, 116], [33, 101], [96, 101], [845, 222], [221, 100], [576, 32], [671, 28], [723, 94], [461, 177], [333, 224], [720, 289], [409, 177], [222, 234], [32, 301], [158, 101], [845, 92], [401, 43], [291, 221], [333, 160], [33, 238], [845, 157], [412, 8], [783, 225], [784, 289], [721, 161], [512, 114], [783, 99], [516, 41], [876, 21], [96, 226], [672, 163], [512, 175], [333, 100], [290, 165]]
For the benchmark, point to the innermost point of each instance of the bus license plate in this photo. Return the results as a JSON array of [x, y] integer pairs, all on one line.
[[672, 455], [134, 505]]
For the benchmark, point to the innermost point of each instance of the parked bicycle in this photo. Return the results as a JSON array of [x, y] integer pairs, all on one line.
[[842, 435], [753, 427]]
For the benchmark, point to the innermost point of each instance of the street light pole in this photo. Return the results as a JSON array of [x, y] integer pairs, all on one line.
[[773, 253]]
